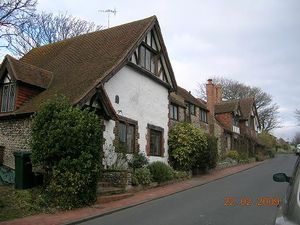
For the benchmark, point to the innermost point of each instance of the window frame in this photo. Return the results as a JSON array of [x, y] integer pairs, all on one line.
[[203, 115], [128, 124], [146, 51], [8, 94], [156, 131], [235, 121], [172, 110], [193, 109]]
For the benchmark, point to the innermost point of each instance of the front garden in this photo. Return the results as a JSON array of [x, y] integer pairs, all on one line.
[[66, 148]]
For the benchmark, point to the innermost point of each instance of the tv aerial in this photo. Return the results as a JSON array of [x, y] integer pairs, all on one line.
[[109, 11]]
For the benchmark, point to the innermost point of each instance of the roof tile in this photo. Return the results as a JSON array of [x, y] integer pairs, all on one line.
[[79, 64], [188, 97]]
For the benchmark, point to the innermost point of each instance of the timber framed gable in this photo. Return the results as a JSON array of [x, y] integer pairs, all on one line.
[[150, 58]]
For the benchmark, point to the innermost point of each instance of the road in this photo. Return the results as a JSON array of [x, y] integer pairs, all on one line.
[[205, 205]]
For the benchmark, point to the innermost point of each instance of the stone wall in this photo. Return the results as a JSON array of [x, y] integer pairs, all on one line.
[[14, 136], [221, 142]]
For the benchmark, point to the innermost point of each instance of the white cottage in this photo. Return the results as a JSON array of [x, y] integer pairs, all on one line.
[[123, 72]]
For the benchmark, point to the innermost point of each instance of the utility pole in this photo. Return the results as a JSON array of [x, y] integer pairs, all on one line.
[[109, 11]]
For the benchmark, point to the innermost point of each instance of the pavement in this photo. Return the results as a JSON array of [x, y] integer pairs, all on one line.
[[84, 214]]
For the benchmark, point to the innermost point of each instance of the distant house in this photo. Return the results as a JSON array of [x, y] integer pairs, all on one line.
[[184, 107], [235, 123], [123, 72]]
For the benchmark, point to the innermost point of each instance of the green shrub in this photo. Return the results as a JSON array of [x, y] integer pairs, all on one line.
[[180, 174], [268, 140], [160, 172], [187, 146], [138, 160], [271, 153], [233, 155], [73, 182], [66, 142], [212, 148], [243, 156], [142, 176], [259, 157]]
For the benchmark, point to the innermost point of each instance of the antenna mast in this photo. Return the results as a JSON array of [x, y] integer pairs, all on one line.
[[109, 11]]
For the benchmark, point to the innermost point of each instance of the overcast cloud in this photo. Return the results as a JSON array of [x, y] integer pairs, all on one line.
[[255, 42]]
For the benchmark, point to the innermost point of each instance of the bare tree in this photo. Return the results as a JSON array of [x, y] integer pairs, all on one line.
[[14, 13], [46, 28], [232, 89]]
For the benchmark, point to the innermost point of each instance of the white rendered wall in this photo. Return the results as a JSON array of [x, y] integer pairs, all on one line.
[[140, 99]]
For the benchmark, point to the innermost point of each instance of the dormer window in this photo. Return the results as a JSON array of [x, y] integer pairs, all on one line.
[[8, 94], [149, 56]]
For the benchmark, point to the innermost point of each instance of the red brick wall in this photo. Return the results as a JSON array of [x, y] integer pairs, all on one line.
[[25, 93], [226, 119]]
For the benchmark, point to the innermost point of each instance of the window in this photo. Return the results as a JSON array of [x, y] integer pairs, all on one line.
[[192, 109], [174, 112], [117, 99], [203, 115], [147, 58], [236, 121], [127, 136], [252, 122], [150, 57], [155, 142], [8, 95]]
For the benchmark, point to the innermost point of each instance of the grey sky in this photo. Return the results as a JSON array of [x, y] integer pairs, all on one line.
[[255, 42]]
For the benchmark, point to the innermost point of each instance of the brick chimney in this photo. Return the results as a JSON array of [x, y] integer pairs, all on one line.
[[218, 93], [214, 95], [210, 94]]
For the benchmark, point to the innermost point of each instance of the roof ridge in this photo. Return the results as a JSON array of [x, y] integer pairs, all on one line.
[[247, 98], [81, 63], [228, 102], [57, 43]]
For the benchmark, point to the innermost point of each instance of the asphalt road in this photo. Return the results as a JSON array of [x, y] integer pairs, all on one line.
[[205, 205]]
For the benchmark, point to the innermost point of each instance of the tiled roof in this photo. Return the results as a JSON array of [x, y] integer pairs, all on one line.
[[202, 101], [188, 97], [81, 63], [246, 105], [227, 106], [30, 74], [176, 99]]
